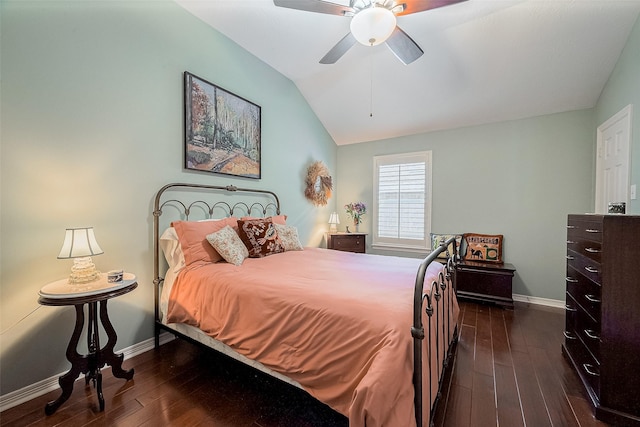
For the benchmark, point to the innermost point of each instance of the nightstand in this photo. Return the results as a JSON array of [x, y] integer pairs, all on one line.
[[485, 282], [61, 293], [348, 242]]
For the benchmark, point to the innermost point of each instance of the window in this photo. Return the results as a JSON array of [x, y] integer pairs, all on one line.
[[402, 201]]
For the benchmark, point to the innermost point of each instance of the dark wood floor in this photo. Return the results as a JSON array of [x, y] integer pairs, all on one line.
[[509, 371]]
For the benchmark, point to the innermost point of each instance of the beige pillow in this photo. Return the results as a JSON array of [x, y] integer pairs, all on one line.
[[228, 245], [288, 235]]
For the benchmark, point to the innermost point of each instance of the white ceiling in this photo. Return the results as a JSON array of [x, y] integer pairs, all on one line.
[[485, 61]]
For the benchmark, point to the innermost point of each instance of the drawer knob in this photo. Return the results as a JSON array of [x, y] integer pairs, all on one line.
[[591, 334], [570, 242], [591, 298], [592, 230], [590, 369], [571, 279], [593, 250], [568, 335], [571, 227], [569, 308], [570, 258], [591, 269]]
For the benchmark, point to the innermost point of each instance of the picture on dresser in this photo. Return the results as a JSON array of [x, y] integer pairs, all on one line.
[[483, 247]]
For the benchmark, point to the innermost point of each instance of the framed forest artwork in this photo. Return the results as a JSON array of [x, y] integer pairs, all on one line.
[[222, 130]]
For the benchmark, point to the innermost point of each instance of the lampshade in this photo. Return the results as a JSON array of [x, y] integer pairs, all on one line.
[[373, 25], [79, 242], [334, 220]]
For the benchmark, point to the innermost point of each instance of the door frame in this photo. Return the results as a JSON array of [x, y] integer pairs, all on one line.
[[625, 114]]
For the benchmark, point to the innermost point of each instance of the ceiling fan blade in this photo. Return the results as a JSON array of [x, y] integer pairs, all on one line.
[[339, 49], [403, 46], [413, 6], [318, 6]]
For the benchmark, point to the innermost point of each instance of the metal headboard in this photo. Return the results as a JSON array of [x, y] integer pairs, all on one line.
[[185, 209]]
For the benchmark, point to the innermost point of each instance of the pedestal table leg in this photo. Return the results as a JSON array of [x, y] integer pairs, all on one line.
[[107, 355], [78, 364]]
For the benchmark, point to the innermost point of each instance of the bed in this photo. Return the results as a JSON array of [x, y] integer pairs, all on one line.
[[371, 336]]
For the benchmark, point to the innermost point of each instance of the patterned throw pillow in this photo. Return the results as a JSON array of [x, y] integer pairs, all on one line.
[[260, 237], [288, 235], [229, 245], [437, 239], [483, 247]]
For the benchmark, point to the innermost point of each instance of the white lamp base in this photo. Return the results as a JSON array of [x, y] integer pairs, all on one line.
[[83, 271]]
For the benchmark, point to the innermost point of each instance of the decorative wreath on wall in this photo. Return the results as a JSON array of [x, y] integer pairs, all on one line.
[[318, 184]]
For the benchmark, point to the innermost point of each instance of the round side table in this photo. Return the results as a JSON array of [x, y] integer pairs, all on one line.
[[61, 293]]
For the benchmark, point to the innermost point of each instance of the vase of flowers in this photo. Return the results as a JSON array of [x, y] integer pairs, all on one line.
[[356, 210]]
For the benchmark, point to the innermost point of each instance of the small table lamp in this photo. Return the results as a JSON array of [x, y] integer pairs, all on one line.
[[80, 244], [334, 221]]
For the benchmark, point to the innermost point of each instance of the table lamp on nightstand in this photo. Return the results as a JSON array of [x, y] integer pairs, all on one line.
[[81, 244], [333, 221]]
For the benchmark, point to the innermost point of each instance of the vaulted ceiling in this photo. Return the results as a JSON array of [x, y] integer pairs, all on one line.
[[484, 61]]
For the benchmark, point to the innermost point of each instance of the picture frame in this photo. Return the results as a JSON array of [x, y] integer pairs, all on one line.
[[222, 130]]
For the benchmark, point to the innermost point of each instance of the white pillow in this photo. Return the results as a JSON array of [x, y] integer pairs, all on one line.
[[288, 236], [172, 249], [228, 244]]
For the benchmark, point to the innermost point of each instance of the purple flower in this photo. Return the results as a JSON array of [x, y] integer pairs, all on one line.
[[356, 210]]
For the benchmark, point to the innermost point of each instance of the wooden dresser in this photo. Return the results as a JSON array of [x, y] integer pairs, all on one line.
[[349, 242], [602, 333]]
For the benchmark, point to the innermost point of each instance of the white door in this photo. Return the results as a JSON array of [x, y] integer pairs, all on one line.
[[612, 162]]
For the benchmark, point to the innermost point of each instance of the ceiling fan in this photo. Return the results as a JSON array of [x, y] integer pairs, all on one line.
[[372, 22]]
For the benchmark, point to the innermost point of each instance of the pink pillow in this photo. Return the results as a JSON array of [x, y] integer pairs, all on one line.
[[193, 239], [276, 219]]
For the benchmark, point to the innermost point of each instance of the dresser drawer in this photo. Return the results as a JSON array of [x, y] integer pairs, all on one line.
[[585, 229], [585, 266], [347, 242], [588, 248], [587, 367], [585, 236], [589, 332], [571, 319], [585, 292]]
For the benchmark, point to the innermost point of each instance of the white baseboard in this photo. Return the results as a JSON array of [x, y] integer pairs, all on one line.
[[539, 301], [32, 391]]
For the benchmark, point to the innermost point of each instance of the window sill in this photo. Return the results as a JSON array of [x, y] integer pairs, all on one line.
[[400, 248]]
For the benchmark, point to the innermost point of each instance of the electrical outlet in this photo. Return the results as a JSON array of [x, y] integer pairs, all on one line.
[[633, 192]]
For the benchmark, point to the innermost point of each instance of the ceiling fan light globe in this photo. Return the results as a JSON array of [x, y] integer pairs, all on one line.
[[373, 25]]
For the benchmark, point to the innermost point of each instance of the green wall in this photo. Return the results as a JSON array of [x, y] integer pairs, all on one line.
[[91, 128], [622, 89], [518, 178]]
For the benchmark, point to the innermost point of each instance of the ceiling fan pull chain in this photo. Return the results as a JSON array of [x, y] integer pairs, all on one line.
[[371, 86]]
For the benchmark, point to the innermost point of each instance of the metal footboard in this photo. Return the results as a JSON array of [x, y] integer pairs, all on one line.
[[430, 298]]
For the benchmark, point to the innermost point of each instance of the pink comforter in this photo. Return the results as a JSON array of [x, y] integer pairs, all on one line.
[[336, 322]]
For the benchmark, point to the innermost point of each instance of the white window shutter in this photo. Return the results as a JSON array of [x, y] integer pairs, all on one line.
[[402, 193]]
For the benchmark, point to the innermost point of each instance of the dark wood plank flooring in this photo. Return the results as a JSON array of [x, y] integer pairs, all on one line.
[[509, 371]]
